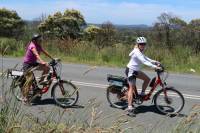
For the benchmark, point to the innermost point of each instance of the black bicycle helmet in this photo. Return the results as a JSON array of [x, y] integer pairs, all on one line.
[[36, 36]]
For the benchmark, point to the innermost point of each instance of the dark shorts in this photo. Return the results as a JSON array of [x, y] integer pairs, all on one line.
[[26, 66], [131, 76]]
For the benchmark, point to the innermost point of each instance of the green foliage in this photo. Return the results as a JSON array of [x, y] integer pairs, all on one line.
[[63, 26], [103, 36], [177, 22], [195, 24], [91, 32], [11, 25], [166, 24], [13, 47]]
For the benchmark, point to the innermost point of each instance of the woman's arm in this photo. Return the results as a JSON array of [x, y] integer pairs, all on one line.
[[37, 55], [47, 54], [144, 60], [152, 61]]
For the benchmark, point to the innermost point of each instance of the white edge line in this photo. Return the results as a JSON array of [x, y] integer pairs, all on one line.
[[104, 86]]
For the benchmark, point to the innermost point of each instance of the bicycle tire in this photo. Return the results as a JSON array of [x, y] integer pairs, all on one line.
[[16, 89], [171, 94], [70, 97], [120, 104]]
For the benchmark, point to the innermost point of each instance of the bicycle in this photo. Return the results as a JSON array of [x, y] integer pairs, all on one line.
[[64, 93], [167, 100]]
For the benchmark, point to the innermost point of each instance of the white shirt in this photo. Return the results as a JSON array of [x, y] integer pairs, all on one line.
[[138, 58]]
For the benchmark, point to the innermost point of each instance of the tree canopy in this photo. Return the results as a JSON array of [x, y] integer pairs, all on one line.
[[11, 25], [63, 26], [102, 36]]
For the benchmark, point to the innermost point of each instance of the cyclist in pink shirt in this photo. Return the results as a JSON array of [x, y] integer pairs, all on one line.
[[32, 57]]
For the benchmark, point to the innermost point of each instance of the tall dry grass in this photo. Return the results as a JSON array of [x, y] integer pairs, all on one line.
[[179, 59]]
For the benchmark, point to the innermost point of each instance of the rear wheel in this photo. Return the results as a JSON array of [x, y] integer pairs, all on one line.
[[172, 103], [65, 93], [16, 87], [116, 98]]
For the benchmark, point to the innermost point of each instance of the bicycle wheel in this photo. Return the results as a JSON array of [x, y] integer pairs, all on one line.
[[16, 86], [172, 104], [65, 93], [115, 97]]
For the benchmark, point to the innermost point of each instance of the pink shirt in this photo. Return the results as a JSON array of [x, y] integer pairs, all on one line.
[[29, 57]]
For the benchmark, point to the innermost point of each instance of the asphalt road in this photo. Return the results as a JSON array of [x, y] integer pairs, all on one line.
[[92, 83]]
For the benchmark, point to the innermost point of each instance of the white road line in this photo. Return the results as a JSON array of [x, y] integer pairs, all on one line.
[[195, 97]]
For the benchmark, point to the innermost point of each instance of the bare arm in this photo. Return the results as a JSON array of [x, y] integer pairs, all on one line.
[[47, 54], [37, 55]]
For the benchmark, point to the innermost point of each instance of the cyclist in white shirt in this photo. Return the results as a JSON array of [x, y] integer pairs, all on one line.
[[133, 70]]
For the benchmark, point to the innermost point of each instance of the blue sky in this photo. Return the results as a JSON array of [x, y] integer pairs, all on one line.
[[117, 11]]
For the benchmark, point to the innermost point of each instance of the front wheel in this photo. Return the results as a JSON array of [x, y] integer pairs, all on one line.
[[169, 101], [116, 97], [65, 93]]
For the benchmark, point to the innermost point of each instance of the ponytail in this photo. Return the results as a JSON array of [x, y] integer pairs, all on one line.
[[136, 46]]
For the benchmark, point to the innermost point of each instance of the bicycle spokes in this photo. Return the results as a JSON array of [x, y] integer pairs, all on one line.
[[169, 100], [65, 93]]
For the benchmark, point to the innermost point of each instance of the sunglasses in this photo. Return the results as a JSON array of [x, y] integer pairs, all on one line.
[[142, 44]]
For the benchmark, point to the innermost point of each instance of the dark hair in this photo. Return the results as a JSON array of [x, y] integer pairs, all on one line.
[[36, 36]]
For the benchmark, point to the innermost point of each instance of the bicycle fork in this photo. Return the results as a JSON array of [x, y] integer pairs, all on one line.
[[61, 87]]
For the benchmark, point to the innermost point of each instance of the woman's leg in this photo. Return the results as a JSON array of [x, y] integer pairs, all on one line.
[[45, 70], [141, 75], [131, 92]]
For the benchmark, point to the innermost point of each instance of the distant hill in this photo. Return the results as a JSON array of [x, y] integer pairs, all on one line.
[[139, 26], [118, 26]]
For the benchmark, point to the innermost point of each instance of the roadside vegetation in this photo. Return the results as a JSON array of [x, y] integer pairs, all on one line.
[[68, 36], [15, 119]]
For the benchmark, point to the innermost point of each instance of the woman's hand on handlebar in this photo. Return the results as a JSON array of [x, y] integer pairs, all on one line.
[[44, 63], [158, 68], [157, 63]]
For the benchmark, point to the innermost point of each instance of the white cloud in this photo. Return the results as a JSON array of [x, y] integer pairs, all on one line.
[[98, 11]]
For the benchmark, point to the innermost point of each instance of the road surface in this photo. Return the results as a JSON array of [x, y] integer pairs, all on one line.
[[92, 83]]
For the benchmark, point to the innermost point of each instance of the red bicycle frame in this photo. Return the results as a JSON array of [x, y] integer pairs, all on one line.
[[157, 82]]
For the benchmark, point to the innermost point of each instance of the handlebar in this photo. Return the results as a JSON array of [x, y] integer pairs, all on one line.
[[160, 70], [54, 62]]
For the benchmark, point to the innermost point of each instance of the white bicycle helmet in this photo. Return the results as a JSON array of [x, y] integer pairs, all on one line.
[[141, 40]]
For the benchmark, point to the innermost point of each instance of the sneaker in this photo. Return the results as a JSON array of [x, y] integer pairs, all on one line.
[[131, 112], [142, 94]]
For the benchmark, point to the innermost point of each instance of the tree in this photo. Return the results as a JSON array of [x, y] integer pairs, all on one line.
[[109, 32], [195, 24], [11, 25], [166, 23], [64, 26], [91, 32], [101, 36], [194, 27]]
